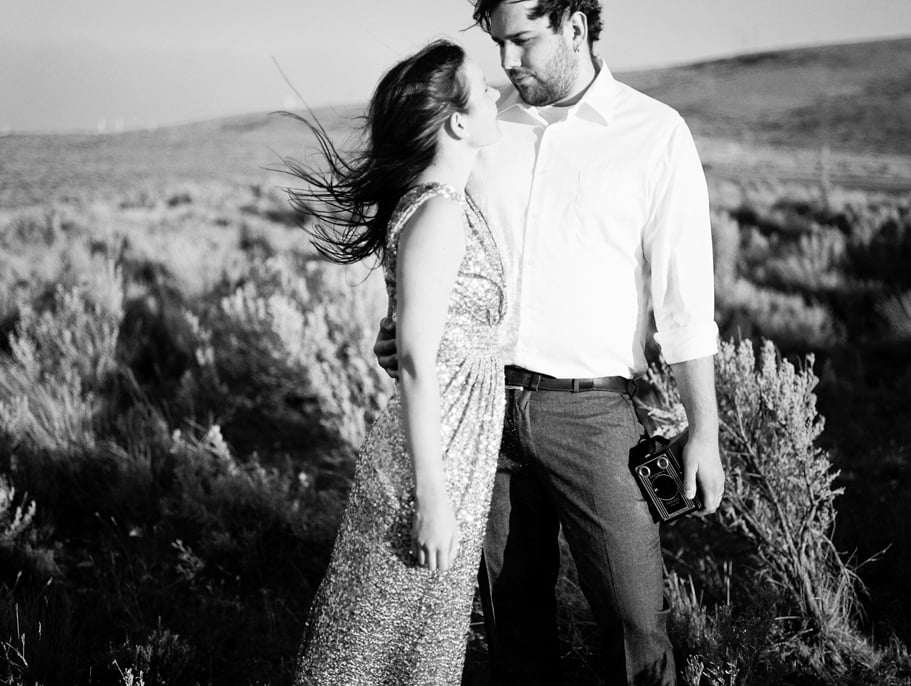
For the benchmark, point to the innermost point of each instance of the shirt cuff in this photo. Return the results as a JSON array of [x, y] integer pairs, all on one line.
[[688, 343]]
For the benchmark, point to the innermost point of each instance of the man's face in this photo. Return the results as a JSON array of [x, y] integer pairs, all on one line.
[[539, 61]]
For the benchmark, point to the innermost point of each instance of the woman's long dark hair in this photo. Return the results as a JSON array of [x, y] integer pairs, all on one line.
[[353, 199]]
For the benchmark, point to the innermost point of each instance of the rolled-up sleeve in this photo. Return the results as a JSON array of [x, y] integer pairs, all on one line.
[[678, 247]]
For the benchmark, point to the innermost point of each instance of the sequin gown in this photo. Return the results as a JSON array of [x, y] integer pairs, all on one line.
[[378, 618]]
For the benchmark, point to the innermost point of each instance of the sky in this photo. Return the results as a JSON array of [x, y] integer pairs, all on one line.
[[111, 65]]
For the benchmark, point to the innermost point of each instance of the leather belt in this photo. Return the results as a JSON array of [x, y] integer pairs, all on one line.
[[516, 377]]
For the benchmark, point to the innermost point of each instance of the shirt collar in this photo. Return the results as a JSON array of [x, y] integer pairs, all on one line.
[[596, 104]]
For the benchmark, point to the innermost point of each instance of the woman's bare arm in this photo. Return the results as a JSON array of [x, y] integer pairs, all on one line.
[[430, 251]]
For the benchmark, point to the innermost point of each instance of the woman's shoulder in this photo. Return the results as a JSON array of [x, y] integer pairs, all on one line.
[[437, 213], [432, 210], [430, 202]]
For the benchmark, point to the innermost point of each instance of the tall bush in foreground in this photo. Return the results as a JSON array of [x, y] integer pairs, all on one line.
[[780, 493], [780, 500]]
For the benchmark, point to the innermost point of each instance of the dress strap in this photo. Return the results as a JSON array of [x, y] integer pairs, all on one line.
[[408, 205]]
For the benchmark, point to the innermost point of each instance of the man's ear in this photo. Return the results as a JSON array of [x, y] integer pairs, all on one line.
[[456, 126], [578, 24]]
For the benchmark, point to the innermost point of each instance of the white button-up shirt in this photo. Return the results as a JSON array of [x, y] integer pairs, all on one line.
[[598, 216]]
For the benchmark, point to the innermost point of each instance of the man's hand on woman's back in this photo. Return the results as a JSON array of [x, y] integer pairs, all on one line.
[[384, 348]]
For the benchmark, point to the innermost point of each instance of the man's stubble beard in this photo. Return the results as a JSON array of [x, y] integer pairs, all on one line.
[[553, 85]]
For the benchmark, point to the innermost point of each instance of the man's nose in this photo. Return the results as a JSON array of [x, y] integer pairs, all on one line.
[[509, 57]]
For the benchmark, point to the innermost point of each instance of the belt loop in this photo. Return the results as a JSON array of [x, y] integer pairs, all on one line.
[[631, 387], [534, 381], [575, 385]]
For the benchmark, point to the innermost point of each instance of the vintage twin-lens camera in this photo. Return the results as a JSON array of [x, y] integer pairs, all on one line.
[[657, 464]]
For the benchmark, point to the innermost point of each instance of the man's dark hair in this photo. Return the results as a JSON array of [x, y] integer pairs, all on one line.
[[555, 10]]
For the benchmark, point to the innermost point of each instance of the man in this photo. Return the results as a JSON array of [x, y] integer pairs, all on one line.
[[598, 201]]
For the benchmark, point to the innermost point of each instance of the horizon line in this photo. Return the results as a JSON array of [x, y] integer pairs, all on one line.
[[10, 132]]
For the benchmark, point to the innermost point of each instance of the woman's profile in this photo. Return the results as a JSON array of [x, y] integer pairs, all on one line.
[[394, 605]]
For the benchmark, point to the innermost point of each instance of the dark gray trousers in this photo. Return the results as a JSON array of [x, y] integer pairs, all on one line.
[[565, 463]]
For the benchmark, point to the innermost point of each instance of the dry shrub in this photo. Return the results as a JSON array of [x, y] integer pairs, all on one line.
[[31, 229], [338, 352], [780, 499], [313, 330], [880, 242], [814, 263], [218, 492], [788, 319], [37, 642], [42, 250], [725, 249], [897, 313], [14, 523], [781, 492], [163, 659], [722, 643], [58, 362], [231, 507]]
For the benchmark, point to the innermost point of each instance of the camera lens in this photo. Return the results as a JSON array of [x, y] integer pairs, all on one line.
[[644, 472], [665, 487], [662, 463]]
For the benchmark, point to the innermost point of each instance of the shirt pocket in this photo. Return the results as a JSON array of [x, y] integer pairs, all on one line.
[[609, 204]]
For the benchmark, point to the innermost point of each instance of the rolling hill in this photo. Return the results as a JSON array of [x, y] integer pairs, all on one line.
[[854, 97], [841, 112]]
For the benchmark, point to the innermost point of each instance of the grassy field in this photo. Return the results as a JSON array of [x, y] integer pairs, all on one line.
[[183, 387]]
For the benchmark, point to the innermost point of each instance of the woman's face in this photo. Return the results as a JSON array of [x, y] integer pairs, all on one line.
[[481, 118]]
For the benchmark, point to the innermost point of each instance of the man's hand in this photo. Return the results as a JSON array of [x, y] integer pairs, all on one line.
[[384, 348], [702, 466], [701, 456]]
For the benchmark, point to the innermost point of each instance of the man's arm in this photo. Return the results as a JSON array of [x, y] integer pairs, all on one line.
[[701, 456], [678, 246]]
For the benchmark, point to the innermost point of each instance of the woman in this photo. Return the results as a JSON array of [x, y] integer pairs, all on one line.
[[395, 603]]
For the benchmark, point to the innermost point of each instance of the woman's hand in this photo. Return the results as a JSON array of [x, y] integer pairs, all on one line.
[[435, 533]]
